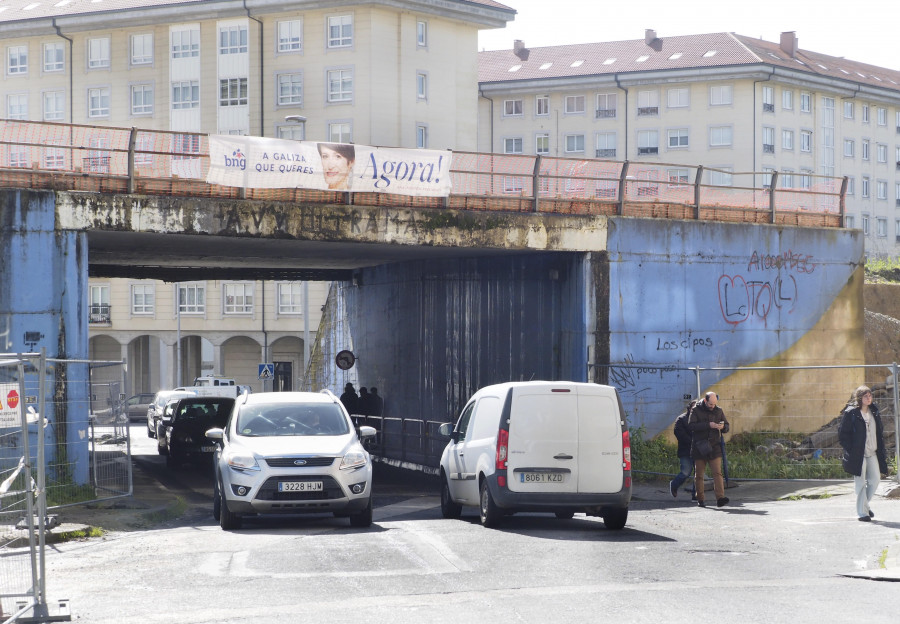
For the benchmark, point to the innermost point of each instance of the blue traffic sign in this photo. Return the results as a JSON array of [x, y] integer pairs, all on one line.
[[266, 371]]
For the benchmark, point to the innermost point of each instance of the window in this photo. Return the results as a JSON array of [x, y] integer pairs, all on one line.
[[98, 53], [142, 298], [678, 98], [768, 140], [290, 298], [768, 99], [767, 177], [720, 177], [98, 102], [648, 103], [293, 132], [340, 132], [340, 85], [677, 138], [53, 57], [849, 148], [542, 144], [720, 136], [185, 146], [17, 106], [144, 143], [865, 149], [233, 39], [882, 116], [542, 105], [17, 156], [848, 221], [865, 186], [421, 136], [54, 158], [881, 152], [185, 43], [512, 146], [17, 62], [865, 224], [865, 113], [881, 226], [805, 102], [677, 177], [185, 94], [340, 31], [421, 33], [881, 189], [574, 104], [787, 99], [606, 105], [848, 110], [54, 105], [191, 298], [574, 143], [290, 36], [422, 86], [512, 108], [787, 178], [233, 92], [238, 298], [851, 185], [806, 179], [99, 294], [141, 99], [805, 141], [513, 184], [897, 192], [648, 142], [290, 89], [606, 145], [142, 49], [720, 95], [787, 139]]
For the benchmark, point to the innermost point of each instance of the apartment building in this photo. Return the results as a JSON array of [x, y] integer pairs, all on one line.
[[381, 72], [727, 102]]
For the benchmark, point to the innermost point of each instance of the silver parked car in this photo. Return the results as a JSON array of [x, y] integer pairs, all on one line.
[[136, 406], [291, 453]]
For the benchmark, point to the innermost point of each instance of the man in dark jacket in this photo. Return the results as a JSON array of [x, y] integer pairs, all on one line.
[[683, 435], [350, 399], [707, 424]]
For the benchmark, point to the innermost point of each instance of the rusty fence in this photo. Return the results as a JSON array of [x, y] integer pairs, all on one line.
[[55, 451], [47, 155]]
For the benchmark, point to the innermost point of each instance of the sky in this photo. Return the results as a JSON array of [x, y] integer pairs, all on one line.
[[830, 27]]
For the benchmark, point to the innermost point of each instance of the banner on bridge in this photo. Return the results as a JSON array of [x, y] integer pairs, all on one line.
[[258, 162]]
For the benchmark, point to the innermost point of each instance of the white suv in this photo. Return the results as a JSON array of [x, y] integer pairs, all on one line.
[[561, 447], [291, 453]]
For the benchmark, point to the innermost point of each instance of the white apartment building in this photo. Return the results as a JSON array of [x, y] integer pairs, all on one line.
[[378, 72], [724, 101]]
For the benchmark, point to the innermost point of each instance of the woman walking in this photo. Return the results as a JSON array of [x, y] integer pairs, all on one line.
[[861, 435]]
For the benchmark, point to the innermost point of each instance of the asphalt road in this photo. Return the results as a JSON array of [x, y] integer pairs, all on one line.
[[758, 560]]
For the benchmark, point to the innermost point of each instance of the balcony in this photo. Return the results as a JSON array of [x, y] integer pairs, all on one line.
[[898, 165], [643, 151], [605, 153], [645, 111], [768, 108], [99, 315], [768, 148], [605, 113]]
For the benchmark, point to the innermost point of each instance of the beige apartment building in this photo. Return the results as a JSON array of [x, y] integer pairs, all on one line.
[[728, 102], [380, 72]]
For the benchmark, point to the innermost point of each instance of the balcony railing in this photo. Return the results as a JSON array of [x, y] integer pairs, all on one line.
[[644, 111], [99, 315], [605, 153], [768, 148], [603, 113], [768, 108], [643, 151]]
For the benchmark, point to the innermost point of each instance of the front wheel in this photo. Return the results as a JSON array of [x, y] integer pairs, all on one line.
[[449, 509], [490, 513], [161, 446], [615, 518], [227, 520], [217, 502], [362, 519]]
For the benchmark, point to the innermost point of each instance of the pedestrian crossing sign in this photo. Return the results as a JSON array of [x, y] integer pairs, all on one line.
[[266, 371]]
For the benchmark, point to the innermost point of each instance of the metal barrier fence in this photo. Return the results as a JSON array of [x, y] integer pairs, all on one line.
[[54, 452], [154, 162]]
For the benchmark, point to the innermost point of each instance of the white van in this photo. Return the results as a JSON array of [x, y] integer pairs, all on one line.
[[213, 381], [555, 446]]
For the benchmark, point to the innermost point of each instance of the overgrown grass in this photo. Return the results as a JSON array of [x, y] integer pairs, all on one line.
[[885, 269]]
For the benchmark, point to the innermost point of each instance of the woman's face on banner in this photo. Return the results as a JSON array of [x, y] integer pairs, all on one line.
[[335, 167]]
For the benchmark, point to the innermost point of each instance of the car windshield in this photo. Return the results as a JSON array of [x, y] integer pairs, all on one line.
[[298, 419], [214, 413]]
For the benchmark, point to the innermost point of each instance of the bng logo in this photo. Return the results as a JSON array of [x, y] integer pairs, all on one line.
[[237, 159]]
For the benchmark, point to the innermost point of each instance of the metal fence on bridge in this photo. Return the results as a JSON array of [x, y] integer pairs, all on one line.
[[47, 155], [54, 452]]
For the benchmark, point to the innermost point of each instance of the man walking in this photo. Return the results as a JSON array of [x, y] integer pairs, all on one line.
[[707, 424]]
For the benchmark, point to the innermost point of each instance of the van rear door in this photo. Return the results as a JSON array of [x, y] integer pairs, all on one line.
[[599, 440]]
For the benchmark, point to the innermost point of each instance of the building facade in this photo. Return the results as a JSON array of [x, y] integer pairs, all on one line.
[[730, 103]]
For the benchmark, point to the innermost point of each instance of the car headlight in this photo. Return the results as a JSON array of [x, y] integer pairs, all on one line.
[[242, 463], [354, 459]]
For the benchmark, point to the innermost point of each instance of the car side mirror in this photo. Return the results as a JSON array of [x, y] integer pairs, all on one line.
[[167, 420], [215, 434], [366, 432], [446, 430]]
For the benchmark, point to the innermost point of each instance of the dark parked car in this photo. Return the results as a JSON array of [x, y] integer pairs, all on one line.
[[186, 422]]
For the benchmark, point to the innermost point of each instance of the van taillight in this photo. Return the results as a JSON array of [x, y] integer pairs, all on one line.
[[502, 449], [626, 451]]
